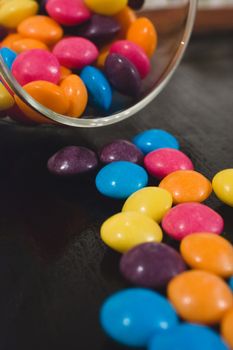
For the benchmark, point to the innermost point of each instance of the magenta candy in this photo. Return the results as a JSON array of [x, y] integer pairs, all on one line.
[[135, 54], [163, 162], [75, 52], [68, 12], [35, 65], [187, 218]]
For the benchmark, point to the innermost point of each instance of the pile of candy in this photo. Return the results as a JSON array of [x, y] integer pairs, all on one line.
[[192, 279], [74, 53]]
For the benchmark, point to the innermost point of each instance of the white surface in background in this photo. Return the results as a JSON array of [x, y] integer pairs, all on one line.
[[154, 4]]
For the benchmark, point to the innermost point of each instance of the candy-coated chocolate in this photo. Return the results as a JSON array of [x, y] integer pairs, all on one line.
[[191, 336], [99, 89], [47, 94], [223, 186], [28, 65], [151, 201], [120, 150], [68, 12], [165, 161], [231, 283], [72, 160], [3, 32], [134, 54], [121, 179], [187, 186], [143, 33], [123, 75], [16, 114], [75, 52], [8, 56], [227, 328], [187, 218], [125, 18], [131, 316], [9, 40], [103, 54], [106, 7], [76, 92], [64, 73], [6, 100], [25, 44], [206, 251], [151, 265], [153, 139], [136, 4], [200, 296], [124, 231], [41, 28], [99, 29], [13, 12]]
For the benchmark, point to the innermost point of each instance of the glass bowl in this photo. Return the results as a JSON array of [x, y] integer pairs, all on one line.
[[174, 20]]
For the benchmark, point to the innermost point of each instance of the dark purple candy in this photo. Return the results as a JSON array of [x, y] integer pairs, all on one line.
[[123, 75], [121, 150], [136, 4], [151, 265], [72, 160], [99, 29]]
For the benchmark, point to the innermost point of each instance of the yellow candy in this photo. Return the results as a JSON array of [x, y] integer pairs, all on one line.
[[6, 100], [151, 201], [124, 231], [106, 7], [223, 186], [12, 12]]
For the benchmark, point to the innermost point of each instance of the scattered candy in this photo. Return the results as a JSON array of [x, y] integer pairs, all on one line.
[[206, 251], [132, 316], [13, 12], [27, 67], [120, 150], [121, 179], [196, 337], [187, 186], [125, 18], [165, 161], [227, 326], [8, 56], [100, 92], [223, 186], [136, 4], [25, 44], [231, 283], [151, 201], [124, 231], [151, 265], [6, 100], [187, 218], [106, 7], [151, 140], [10, 39], [72, 160], [200, 297], [64, 73]]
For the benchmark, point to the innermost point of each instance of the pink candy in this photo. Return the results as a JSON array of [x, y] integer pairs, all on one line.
[[75, 52], [68, 12], [35, 65], [188, 218], [133, 53], [163, 162]]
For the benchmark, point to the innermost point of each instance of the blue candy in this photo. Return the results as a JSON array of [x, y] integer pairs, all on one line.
[[187, 336], [8, 56], [100, 92], [154, 139], [132, 316], [231, 283], [121, 179]]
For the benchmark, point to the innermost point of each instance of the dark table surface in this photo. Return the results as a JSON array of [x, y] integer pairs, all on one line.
[[54, 270]]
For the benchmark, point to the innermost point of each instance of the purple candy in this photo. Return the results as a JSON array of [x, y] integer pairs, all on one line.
[[123, 75], [72, 160], [151, 265], [121, 150], [99, 29], [136, 4]]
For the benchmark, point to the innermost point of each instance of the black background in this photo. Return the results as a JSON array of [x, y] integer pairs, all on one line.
[[54, 270]]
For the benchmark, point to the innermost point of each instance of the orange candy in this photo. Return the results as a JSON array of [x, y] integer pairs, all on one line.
[[102, 56], [210, 252], [200, 297], [143, 33], [24, 44], [76, 92], [64, 73], [187, 186], [41, 28], [10, 39], [49, 95], [125, 18], [227, 328]]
